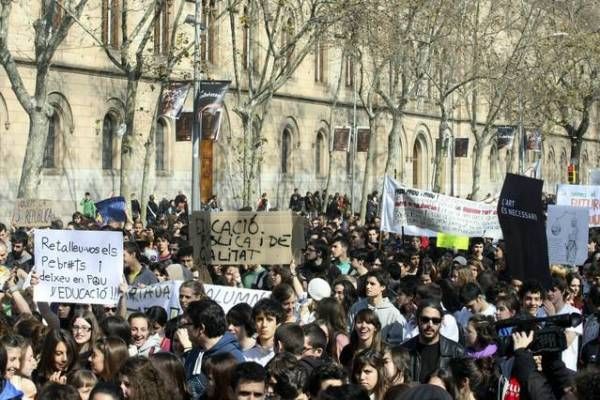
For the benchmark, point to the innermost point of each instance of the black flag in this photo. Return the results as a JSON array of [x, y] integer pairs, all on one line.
[[210, 107], [521, 217]]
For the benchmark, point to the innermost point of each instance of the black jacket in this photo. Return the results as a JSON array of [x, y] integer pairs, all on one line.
[[448, 350]]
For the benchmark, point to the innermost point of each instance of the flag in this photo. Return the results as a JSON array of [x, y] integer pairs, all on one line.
[[210, 107], [341, 139], [173, 98], [111, 209], [521, 217], [505, 136]]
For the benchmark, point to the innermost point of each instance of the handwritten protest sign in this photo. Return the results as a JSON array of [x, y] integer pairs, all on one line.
[[422, 213], [166, 295], [226, 238], [33, 213], [581, 196], [78, 266], [448, 241], [567, 232]]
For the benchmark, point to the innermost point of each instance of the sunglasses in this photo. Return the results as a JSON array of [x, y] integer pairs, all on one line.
[[110, 309], [434, 320]]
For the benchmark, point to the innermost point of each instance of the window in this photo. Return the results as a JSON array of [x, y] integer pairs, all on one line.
[[320, 61], [162, 29], [159, 141], [286, 151], [108, 129], [207, 41], [320, 154], [50, 156], [349, 71], [111, 14]]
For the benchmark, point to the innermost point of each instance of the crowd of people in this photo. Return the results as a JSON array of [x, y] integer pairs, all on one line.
[[362, 315]]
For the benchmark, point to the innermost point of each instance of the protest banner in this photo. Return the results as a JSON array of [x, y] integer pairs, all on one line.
[[33, 213], [567, 232], [521, 217], [78, 266], [581, 196], [166, 295], [242, 237], [448, 241], [422, 213]]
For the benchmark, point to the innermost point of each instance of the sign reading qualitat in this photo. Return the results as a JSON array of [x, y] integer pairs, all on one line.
[[422, 213], [242, 237], [78, 266]]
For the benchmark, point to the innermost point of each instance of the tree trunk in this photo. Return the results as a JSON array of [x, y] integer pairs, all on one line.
[[478, 154], [393, 159], [128, 144], [440, 161], [367, 172], [34, 155], [576, 143], [149, 158]]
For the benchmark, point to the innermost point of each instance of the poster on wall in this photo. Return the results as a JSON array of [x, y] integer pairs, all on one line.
[[363, 135], [341, 139]]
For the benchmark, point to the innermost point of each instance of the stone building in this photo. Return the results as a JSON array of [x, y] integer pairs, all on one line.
[[88, 94]]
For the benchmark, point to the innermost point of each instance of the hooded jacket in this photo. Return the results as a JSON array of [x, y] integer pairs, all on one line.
[[387, 313], [194, 358]]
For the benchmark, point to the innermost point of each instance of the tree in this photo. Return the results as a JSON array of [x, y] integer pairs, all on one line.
[[50, 29]]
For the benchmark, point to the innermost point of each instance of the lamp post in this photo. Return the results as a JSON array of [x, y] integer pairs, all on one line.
[[196, 131]]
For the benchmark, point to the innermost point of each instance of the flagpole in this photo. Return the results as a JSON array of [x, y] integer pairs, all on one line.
[[196, 165]]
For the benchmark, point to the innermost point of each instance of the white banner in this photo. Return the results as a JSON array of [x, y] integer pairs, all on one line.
[[78, 266], [581, 196], [422, 213], [567, 233], [166, 295]]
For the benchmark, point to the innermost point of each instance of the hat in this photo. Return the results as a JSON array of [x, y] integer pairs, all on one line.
[[460, 259], [318, 289]]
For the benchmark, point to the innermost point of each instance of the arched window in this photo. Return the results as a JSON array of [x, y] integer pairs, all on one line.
[[494, 164], [320, 154], [50, 154], [108, 130], [419, 164], [286, 151], [320, 61], [159, 143]]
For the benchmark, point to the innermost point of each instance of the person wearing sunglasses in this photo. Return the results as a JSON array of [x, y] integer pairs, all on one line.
[[429, 350]]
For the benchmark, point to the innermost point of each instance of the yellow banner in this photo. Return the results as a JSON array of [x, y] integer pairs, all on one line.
[[448, 241]]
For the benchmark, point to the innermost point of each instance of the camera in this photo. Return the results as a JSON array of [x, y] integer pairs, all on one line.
[[548, 333]]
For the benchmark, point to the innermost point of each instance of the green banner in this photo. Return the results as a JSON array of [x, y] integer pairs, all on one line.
[[449, 241]]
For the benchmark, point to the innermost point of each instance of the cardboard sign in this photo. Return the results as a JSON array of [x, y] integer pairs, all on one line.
[[166, 295], [567, 232], [448, 241], [236, 237], [33, 213], [78, 266], [581, 196]]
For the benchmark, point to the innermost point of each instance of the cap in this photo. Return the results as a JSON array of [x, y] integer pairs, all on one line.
[[460, 259], [318, 289]]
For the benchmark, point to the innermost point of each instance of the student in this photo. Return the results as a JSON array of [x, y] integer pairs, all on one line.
[[368, 371], [84, 381], [108, 355], [57, 359], [139, 380], [144, 343], [248, 382], [267, 315]]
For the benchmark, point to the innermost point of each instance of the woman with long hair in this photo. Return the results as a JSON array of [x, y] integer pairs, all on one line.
[[57, 359], [84, 381], [368, 371], [396, 361], [85, 330], [344, 292], [107, 358], [7, 390], [241, 324], [170, 368], [330, 315], [141, 381], [481, 337], [218, 371], [365, 335], [575, 283]]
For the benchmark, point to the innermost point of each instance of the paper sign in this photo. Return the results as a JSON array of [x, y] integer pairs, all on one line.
[[422, 213], [33, 213], [448, 241], [581, 196], [166, 295], [78, 266], [236, 237], [595, 176], [567, 233]]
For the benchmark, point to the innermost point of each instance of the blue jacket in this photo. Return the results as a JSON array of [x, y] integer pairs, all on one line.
[[197, 381], [9, 392]]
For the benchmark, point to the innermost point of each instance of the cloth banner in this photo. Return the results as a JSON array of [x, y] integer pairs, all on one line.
[[341, 139], [505, 135], [173, 99], [242, 237], [461, 147], [422, 213], [534, 140], [33, 213], [113, 208], [567, 232], [581, 196], [78, 266], [210, 107], [363, 135], [521, 216], [166, 295], [447, 241]]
